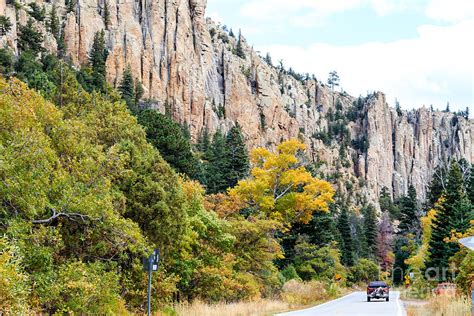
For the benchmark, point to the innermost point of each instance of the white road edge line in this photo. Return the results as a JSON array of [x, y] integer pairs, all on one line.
[[401, 309], [317, 306]]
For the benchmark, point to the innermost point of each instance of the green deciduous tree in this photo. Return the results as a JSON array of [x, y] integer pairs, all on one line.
[[317, 263], [364, 271]]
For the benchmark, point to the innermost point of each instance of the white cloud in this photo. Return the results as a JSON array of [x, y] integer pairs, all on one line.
[[450, 10], [309, 13], [432, 68], [386, 7], [296, 13], [270, 8], [215, 16]]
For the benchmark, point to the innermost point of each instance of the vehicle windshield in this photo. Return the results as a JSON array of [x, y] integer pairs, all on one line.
[[377, 284]]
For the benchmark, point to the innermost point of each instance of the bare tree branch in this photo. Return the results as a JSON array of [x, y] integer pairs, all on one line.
[[283, 192], [70, 216]]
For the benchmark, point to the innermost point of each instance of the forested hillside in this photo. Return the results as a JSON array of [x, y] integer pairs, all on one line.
[[206, 76]]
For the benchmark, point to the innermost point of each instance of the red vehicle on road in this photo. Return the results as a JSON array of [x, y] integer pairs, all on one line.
[[445, 289], [378, 290]]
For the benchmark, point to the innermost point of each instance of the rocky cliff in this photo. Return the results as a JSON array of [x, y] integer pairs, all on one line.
[[189, 66]]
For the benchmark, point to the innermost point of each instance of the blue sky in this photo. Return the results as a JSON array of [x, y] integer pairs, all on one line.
[[418, 51]]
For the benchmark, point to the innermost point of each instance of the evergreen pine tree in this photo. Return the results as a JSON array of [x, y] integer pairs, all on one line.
[[321, 231], [408, 229], [470, 185], [409, 221], [240, 50], [359, 240], [204, 141], [6, 61], [370, 229], [186, 131], [236, 158], [106, 14], [216, 179], [268, 59], [127, 89], [347, 247], [97, 58], [401, 254], [53, 23], [454, 214], [436, 187], [37, 12], [5, 25], [71, 5], [387, 205], [29, 39], [167, 136], [138, 92], [61, 44]]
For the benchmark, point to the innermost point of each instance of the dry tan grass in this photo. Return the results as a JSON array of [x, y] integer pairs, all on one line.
[[304, 293], [257, 308], [442, 306], [295, 294]]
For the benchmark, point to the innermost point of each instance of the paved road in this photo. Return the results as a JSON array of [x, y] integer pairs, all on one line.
[[355, 304]]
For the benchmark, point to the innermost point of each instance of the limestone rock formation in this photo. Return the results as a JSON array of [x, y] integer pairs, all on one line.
[[188, 65]]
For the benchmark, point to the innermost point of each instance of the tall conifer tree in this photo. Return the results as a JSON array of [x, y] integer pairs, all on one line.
[[347, 247], [370, 229], [454, 215], [216, 179], [97, 58], [237, 158]]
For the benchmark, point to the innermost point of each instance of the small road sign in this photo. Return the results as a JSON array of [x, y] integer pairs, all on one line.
[[468, 242], [150, 264]]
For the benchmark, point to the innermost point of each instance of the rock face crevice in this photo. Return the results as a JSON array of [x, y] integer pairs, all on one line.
[[187, 62]]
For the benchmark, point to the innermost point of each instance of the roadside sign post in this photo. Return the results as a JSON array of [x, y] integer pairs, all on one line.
[[469, 243], [150, 264]]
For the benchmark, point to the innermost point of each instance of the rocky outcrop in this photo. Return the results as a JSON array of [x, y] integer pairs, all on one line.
[[188, 65]]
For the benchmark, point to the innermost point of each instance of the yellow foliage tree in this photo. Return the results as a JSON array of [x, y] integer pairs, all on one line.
[[280, 188], [417, 262]]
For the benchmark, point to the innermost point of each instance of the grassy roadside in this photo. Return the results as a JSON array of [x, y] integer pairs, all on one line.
[[437, 306], [441, 306], [295, 295]]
